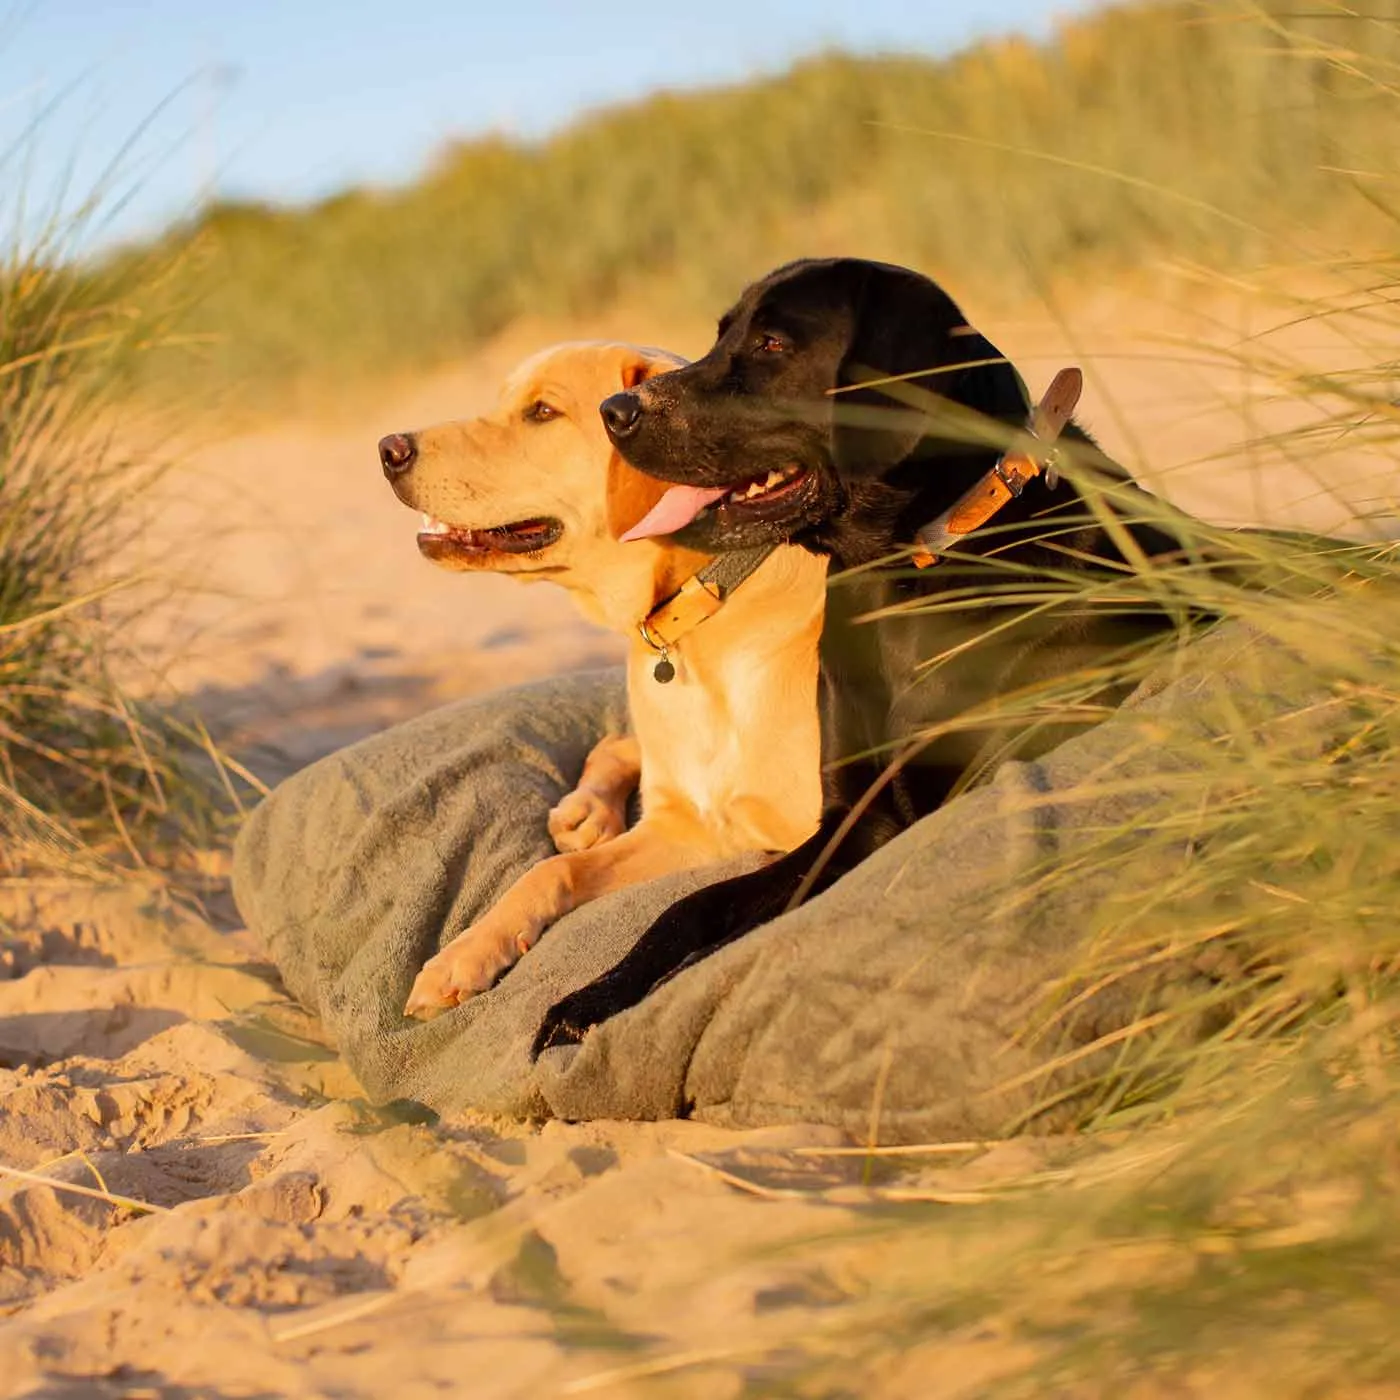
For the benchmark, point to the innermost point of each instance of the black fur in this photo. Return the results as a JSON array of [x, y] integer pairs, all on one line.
[[760, 400]]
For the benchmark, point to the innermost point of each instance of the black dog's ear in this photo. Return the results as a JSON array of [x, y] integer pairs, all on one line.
[[906, 328]]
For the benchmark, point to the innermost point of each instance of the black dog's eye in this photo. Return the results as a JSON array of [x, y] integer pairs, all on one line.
[[541, 412], [772, 344]]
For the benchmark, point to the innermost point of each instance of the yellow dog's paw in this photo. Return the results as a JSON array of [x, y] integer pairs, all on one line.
[[468, 965], [583, 819]]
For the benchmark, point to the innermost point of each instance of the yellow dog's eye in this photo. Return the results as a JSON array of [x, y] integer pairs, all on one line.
[[541, 412]]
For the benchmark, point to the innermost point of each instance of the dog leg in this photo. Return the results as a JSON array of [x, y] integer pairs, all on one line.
[[544, 894], [596, 810]]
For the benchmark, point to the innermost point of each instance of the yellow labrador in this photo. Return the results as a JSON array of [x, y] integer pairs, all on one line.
[[728, 750]]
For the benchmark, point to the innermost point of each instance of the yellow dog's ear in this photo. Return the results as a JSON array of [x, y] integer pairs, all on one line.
[[630, 493], [637, 365]]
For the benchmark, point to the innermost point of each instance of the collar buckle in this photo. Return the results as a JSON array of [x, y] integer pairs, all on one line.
[[1010, 474], [700, 597]]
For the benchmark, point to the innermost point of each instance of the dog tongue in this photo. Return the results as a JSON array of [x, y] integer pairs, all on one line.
[[679, 506]]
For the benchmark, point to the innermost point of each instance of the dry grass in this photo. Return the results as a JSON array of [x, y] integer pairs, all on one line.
[[88, 779]]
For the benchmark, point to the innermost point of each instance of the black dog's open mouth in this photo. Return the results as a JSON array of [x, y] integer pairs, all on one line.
[[761, 496], [767, 490], [439, 540]]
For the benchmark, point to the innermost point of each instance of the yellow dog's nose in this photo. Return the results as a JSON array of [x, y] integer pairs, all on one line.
[[396, 453]]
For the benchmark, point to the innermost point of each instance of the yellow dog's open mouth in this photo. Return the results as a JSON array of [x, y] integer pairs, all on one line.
[[437, 539]]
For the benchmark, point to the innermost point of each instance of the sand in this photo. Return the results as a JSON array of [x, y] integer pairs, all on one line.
[[233, 1218]]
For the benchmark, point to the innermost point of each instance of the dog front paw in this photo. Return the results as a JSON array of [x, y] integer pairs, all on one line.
[[470, 964], [573, 1016], [556, 1030], [584, 819]]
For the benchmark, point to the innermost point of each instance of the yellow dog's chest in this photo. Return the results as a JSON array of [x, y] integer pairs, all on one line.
[[709, 745]]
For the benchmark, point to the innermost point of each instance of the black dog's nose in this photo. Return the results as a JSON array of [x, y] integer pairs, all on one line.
[[621, 414], [397, 452]]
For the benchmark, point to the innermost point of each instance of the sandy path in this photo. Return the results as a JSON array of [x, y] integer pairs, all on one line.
[[300, 1243]]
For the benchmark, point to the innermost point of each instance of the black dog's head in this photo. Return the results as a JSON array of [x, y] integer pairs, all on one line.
[[770, 436]]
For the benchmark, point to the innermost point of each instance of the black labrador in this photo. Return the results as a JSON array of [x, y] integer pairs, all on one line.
[[829, 464]]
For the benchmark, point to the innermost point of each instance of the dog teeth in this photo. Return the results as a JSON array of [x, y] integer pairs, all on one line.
[[777, 477], [433, 526]]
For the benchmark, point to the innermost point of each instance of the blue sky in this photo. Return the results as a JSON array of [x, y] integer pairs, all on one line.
[[292, 100]]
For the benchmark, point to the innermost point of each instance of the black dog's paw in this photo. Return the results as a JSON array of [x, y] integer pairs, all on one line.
[[571, 1018], [557, 1029]]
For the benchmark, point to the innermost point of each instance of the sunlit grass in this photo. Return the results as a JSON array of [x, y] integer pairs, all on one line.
[[89, 780]]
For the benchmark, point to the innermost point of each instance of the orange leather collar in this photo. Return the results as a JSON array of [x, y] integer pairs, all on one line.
[[1009, 477], [700, 597]]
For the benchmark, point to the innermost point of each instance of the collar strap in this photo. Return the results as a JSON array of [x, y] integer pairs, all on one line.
[[1010, 476], [701, 596]]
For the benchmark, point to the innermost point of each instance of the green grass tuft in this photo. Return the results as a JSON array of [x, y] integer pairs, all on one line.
[[88, 779]]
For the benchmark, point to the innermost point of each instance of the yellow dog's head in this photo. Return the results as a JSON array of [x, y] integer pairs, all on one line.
[[535, 488]]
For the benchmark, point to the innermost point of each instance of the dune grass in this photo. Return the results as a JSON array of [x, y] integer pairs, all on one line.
[[89, 780], [1189, 129], [1226, 1218]]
